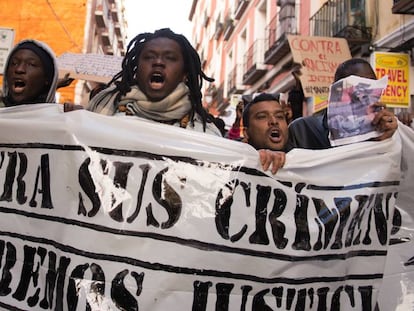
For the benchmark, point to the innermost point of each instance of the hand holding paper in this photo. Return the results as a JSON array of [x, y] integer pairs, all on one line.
[[353, 110]]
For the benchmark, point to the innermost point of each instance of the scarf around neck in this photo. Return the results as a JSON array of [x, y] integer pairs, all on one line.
[[174, 107]]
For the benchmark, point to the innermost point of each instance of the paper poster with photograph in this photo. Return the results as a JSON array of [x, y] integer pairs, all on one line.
[[352, 104]]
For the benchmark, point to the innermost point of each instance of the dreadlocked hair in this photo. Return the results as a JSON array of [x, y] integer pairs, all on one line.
[[124, 79]]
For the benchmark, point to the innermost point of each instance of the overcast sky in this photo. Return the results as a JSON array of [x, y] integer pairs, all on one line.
[[150, 15]]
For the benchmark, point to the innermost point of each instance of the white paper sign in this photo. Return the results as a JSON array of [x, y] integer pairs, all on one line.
[[353, 102], [93, 67]]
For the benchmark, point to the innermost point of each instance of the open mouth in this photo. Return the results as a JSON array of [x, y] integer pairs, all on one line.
[[18, 86], [275, 135], [157, 80]]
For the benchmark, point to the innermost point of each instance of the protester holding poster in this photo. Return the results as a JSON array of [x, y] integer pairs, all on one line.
[[351, 109], [312, 132], [30, 75]]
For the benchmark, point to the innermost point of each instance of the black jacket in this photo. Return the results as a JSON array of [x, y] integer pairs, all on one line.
[[309, 132]]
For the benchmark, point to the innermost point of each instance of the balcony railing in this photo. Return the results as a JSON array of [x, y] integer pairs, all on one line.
[[342, 19], [254, 67], [106, 39], [241, 6], [114, 13], [101, 17], [107, 35], [282, 24], [206, 19], [228, 28], [235, 80], [119, 29], [219, 28], [403, 7]]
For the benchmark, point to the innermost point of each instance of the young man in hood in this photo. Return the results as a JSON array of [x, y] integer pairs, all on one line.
[[30, 75]]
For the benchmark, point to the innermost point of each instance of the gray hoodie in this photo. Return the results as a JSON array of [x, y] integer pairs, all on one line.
[[50, 97]]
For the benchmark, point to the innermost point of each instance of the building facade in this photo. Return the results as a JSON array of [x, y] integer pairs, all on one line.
[[77, 26], [243, 43]]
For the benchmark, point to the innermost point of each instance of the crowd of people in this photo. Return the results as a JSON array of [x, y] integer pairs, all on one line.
[[161, 80]]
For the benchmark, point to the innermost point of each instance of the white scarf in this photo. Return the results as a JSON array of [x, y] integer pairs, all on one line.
[[174, 107]]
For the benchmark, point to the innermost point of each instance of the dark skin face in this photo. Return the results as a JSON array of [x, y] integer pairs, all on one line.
[[160, 68], [26, 78], [268, 127]]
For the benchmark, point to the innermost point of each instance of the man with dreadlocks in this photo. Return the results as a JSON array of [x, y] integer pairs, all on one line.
[[160, 80]]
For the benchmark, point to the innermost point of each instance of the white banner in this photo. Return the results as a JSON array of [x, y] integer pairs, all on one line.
[[123, 214]]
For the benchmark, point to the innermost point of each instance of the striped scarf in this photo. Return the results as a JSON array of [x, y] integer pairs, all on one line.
[[172, 108]]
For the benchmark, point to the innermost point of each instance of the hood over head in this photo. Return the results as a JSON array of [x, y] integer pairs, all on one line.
[[49, 63]]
